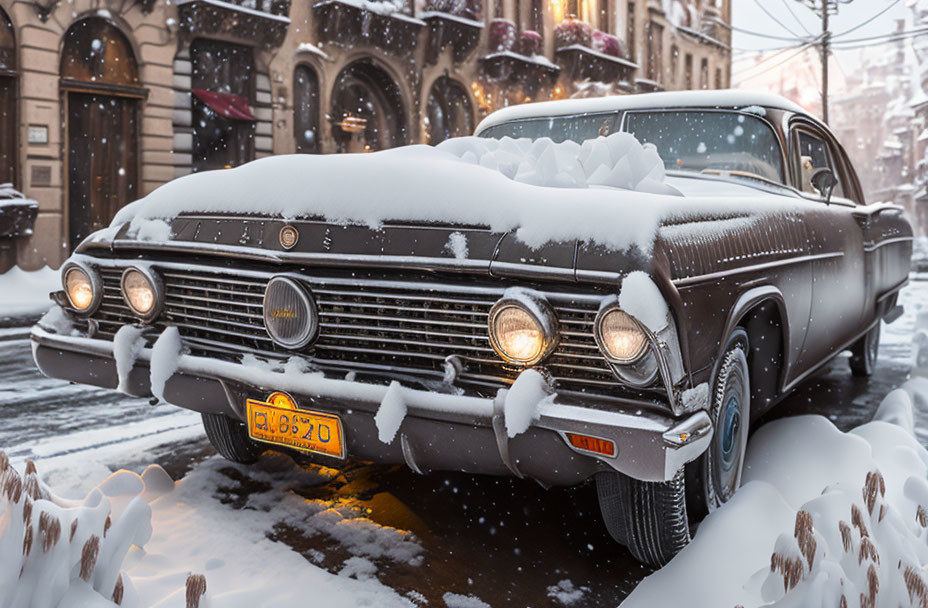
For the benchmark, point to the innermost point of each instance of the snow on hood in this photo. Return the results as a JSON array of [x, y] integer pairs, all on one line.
[[617, 189]]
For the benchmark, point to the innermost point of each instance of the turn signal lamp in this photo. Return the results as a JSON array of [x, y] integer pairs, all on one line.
[[596, 445], [282, 400]]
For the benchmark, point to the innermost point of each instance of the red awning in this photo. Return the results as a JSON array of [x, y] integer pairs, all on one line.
[[226, 104]]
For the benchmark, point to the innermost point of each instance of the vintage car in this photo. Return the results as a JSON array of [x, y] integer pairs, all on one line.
[[387, 308]]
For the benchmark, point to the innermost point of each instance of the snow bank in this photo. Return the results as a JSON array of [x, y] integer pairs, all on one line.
[[58, 553], [506, 184], [142, 540], [825, 518], [26, 293]]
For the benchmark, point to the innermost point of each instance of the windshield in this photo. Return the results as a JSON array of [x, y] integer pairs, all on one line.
[[578, 128], [712, 142]]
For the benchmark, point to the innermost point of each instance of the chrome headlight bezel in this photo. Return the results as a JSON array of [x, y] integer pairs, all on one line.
[[638, 371], [539, 311], [96, 287], [309, 308], [598, 336], [157, 288]]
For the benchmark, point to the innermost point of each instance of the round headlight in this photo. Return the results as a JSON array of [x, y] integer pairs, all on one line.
[[522, 334], [619, 336], [289, 313], [80, 287], [141, 291]]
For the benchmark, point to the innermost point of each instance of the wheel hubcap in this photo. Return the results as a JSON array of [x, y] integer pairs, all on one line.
[[730, 423]]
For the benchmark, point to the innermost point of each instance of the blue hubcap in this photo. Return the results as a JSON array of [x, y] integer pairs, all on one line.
[[730, 427]]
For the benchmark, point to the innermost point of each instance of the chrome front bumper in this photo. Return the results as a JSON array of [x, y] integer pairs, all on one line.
[[440, 431]]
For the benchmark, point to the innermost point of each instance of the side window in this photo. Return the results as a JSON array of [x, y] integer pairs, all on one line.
[[814, 155]]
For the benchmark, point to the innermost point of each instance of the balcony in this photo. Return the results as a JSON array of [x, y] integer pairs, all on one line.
[[452, 24], [516, 60], [246, 21], [387, 25], [585, 53]]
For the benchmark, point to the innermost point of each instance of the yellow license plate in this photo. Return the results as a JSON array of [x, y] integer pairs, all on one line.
[[298, 429]]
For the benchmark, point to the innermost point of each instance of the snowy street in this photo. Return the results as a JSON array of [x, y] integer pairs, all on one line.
[[503, 541]]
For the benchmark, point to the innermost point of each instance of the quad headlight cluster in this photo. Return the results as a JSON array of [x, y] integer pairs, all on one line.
[[141, 290], [523, 330]]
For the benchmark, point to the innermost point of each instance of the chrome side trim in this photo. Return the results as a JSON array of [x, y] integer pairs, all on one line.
[[687, 282], [898, 239]]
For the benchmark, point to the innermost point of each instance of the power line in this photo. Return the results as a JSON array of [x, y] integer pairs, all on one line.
[[868, 21], [887, 40], [893, 35], [771, 57], [772, 16], [735, 28], [798, 20], [803, 49]]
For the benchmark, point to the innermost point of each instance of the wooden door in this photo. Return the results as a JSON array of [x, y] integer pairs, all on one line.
[[102, 160]]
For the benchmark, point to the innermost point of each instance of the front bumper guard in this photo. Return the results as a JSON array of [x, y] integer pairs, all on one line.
[[440, 431]]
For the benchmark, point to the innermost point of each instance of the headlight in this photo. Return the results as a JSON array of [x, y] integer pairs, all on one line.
[[523, 329], [82, 287], [289, 313], [619, 336], [142, 292]]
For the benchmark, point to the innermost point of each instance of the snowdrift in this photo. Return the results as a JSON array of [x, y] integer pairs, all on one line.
[[825, 518]]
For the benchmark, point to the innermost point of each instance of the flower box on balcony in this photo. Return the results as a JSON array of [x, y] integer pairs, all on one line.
[[454, 23], [573, 31], [502, 35], [530, 43]]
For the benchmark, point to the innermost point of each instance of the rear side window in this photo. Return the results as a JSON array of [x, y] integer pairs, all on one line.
[[577, 128], [814, 155]]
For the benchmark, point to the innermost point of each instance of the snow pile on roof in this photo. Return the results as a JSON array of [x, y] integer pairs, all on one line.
[[825, 518], [26, 292], [504, 184]]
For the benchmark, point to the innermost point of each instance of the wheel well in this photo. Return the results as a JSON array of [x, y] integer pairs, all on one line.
[[764, 326]]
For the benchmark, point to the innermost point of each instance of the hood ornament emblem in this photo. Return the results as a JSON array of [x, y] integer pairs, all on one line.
[[289, 236]]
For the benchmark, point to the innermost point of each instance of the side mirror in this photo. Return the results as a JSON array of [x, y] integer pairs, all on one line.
[[824, 182]]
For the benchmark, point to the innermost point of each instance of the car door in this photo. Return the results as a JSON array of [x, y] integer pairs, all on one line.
[[836, 244]]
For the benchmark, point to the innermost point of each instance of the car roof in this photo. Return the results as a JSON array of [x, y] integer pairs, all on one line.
[[730, 98]]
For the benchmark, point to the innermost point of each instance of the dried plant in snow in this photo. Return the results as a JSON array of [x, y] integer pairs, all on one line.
[[857, 520], [30, 467], [789, 567], [27, 541], [867, 551], [73, 530], [4, 462], [196, 588], [873, 485], [50, 530], [921, 516], [803, 533], [846, 538], [107, 524], [118, 591], [89, 555]]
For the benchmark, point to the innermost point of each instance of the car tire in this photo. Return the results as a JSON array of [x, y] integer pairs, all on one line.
[[230, 438], [647, 517], [864, 353], [716, 475]]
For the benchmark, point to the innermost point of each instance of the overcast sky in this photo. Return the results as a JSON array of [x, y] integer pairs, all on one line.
[[749, 15]]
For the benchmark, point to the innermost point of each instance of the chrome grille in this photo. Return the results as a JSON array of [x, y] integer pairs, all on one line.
[[408, 328]]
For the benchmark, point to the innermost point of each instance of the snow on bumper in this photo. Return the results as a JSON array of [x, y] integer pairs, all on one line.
[[522, 431]]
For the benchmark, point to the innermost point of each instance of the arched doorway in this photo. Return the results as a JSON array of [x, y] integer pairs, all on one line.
[[306, 110], [449, 111], [8, 131], [367, 110], [99, 77]]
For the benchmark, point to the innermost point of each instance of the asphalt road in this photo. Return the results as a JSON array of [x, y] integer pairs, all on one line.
[[503, 540]]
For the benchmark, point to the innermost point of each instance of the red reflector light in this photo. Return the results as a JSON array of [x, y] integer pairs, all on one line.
[[591, 444]]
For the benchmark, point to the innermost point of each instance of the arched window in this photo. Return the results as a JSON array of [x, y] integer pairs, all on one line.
[[96, 51], [306, 110], [367, 110], [449, 111], [8, 139], [99, 74]]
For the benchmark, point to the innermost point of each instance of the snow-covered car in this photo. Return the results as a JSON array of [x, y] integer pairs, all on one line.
[[607, 289]]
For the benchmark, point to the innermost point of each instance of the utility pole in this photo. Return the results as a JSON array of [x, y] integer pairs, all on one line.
[[826, 43], [824, 9]]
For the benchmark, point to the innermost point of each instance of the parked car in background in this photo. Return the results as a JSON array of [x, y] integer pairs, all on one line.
[[621, 317], [17, 218]]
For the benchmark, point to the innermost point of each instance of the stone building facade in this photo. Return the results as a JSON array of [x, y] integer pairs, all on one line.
[[102, 101]]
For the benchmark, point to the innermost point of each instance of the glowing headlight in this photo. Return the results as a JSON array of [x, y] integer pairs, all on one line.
[[141, 293], [619, 336], [520, 333], [80, 288]]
